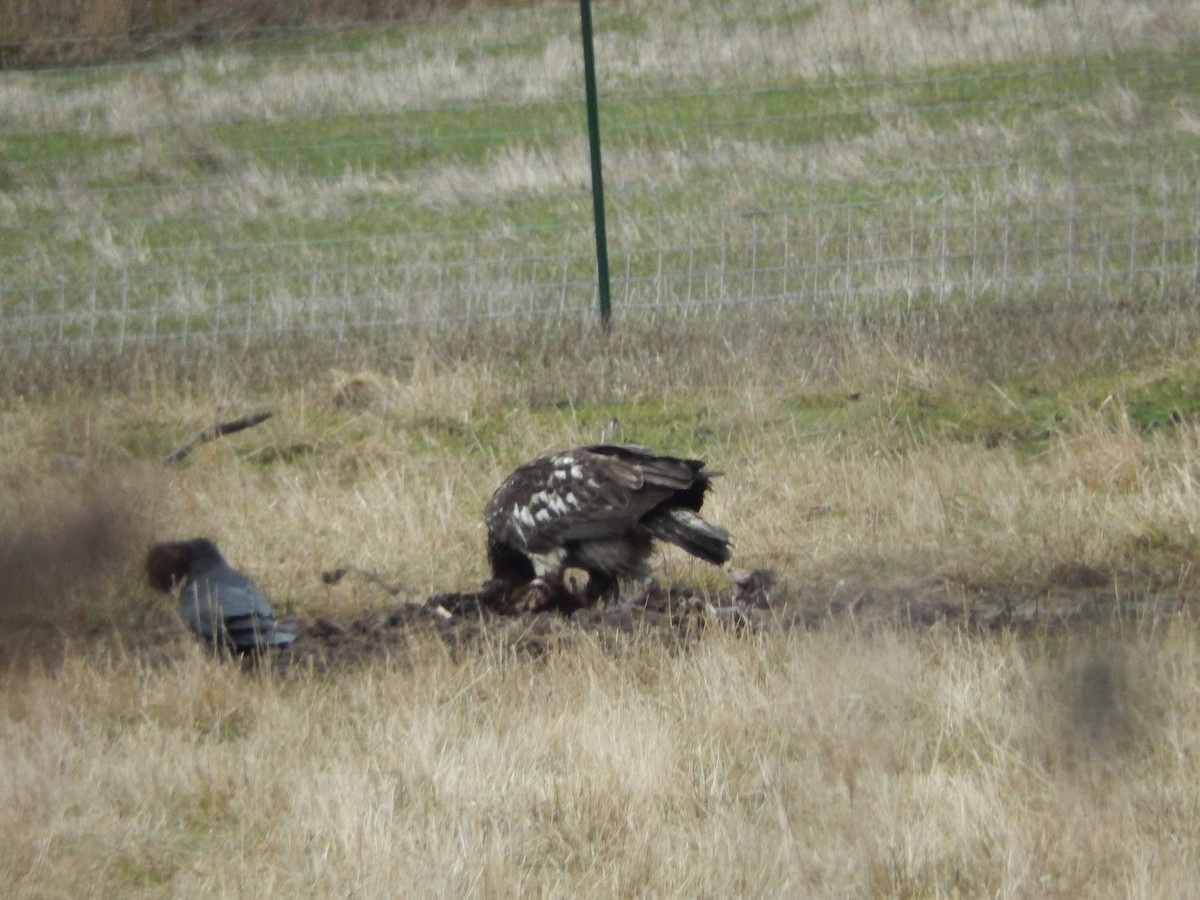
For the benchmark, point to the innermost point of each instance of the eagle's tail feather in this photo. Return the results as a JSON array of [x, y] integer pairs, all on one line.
[[687, 530]]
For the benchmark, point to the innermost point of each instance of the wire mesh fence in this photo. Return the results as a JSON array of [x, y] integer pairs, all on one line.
[[837, 158]]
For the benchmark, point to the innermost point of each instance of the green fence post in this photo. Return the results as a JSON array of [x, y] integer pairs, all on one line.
[[593, 114]]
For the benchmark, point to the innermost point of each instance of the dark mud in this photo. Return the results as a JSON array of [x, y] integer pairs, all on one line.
[[755, 602], [392, 624]]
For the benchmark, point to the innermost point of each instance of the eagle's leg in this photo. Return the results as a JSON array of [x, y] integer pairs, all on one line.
[[600, 587]]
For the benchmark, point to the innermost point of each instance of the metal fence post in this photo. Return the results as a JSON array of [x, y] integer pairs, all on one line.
[[593, 115]]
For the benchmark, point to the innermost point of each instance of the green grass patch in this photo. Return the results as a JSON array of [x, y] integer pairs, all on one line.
[[1027, 415], [1164, 401]]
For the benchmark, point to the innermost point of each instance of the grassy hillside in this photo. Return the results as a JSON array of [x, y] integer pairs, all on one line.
[[387, 178]]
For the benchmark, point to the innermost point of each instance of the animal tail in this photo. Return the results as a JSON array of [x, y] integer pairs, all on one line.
[[685, 529], [253, 631]]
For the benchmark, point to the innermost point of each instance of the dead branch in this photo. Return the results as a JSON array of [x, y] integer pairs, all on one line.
[[333, 576], [219, 430]]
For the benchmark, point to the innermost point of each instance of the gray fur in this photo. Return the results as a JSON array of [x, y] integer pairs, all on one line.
[[218, 603]]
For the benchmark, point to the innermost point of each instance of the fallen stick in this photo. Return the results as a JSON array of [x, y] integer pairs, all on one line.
[[218, 430], [333, 576]]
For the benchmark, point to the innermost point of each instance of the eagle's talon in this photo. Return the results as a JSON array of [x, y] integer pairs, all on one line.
[[537, 596]]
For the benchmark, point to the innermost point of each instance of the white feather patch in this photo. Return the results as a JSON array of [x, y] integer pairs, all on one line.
[[549, 564]]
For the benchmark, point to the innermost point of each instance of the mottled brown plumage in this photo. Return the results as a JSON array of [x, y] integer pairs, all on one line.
[[598, 508]]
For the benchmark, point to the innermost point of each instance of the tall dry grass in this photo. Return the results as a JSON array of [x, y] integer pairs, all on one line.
[[834, 763], [73, 33]]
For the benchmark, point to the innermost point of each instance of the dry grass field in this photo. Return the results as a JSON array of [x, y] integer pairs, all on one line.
[[894, 749], [978, 490]]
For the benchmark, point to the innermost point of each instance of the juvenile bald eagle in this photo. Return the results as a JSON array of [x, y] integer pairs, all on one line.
[[223, 607], [598, 508]]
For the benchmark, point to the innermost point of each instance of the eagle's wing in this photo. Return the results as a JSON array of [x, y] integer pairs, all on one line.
[[591, 493]]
